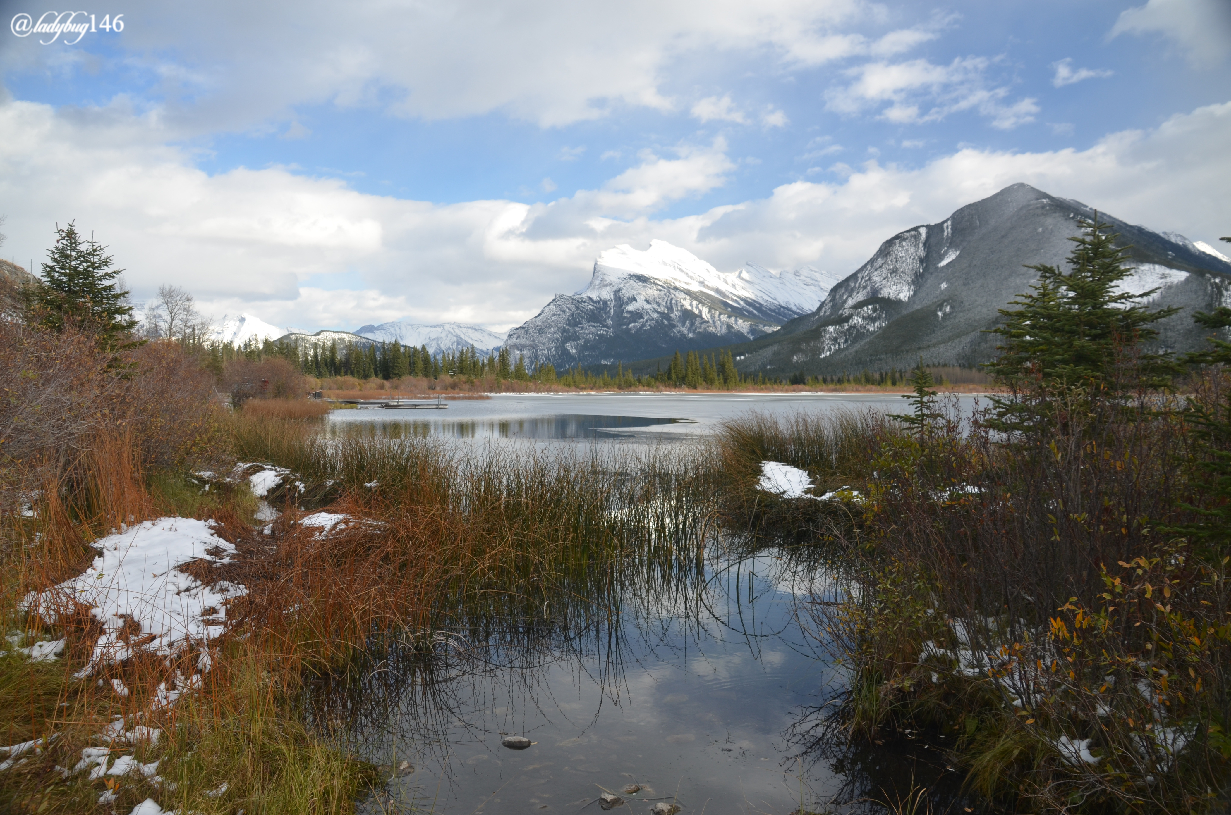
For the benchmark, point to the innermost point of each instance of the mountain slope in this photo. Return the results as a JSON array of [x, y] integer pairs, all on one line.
[[324, 338], [934, 290], [451, 337], [645, 303]]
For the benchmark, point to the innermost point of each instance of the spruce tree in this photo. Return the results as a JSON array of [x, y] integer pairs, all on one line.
[[1076, 336], [1212, 426], [80, 288], [922, 401]]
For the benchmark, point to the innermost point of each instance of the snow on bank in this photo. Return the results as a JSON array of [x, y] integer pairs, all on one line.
[[134, 581], [791, 482], [784, 480]]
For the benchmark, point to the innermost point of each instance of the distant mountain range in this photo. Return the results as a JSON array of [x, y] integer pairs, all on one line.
[[645, 303], [452, 337], [932, 291]]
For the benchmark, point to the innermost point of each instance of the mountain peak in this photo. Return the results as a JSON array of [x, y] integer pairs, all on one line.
[[641, 303], [238, 329]]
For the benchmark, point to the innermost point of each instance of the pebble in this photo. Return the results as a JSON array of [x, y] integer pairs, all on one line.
[[609, 801], [516, 742], [663, 808], [632, 789]]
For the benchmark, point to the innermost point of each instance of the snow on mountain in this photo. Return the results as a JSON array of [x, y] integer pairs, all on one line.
[[451, 337], [935, 290], [1210, 250], [239, 329], [752, 288], [325, 337], [646, 303]]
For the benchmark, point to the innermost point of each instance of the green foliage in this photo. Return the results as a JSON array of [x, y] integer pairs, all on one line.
[[1210, 418], [923, 402], [1075, 334], [80, 288]]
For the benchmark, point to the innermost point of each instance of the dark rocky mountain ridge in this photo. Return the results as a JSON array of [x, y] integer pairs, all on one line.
[[934, 290]]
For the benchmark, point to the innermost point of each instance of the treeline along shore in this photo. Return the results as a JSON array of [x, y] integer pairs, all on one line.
[[196, 579]]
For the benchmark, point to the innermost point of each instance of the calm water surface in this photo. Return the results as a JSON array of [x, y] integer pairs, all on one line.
[[625, 417], [696, 677]]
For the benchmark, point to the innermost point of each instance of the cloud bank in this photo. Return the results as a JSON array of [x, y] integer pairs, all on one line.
[[316, 253]]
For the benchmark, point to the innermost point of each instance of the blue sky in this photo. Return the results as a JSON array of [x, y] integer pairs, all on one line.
[[327, 166]]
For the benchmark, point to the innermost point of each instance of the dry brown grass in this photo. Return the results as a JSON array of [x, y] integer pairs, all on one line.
[[291, 409], [409, 393]]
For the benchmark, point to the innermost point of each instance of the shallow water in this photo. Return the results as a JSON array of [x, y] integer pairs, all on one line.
[[694, 674], [692, 685]]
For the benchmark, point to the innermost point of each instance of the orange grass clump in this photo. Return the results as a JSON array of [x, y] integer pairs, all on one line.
[[286, 408]]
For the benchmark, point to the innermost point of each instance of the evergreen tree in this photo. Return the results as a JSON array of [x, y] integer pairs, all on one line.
[[922, 401], [80, 288], [1212, 427], [1075, 336], [675, 373]]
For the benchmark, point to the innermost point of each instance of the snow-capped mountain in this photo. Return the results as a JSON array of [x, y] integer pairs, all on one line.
[[326, 337], [935, 290], [451, 337], [239, 329], [646, 303]]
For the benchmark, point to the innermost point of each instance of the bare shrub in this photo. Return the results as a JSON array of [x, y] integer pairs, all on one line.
[[275, 378]]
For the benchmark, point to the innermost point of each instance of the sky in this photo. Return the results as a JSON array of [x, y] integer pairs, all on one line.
[[324, 165]]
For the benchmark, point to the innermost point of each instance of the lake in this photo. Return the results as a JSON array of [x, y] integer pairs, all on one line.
[[623, 417], [700, 679]]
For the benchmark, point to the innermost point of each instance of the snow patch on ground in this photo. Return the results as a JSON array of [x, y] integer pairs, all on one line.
[[325, 520], [265, 480], [949, 257], [784, 480], [134, 580]]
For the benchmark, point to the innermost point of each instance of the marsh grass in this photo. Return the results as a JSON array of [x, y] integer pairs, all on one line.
[[286, 408], [1024, 596], [837, 449]]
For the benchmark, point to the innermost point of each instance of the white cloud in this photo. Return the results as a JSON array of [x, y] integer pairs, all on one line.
[[1200, 28], [233, 64], [920, 91], [547, 185], [712, 108], [258, 240], [1065, 75], [571, 153], [773, 117]]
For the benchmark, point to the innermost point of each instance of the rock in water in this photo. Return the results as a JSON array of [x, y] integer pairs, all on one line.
[[663, 808], [516, 742], [632, 789], [609, 801], [405, 768]]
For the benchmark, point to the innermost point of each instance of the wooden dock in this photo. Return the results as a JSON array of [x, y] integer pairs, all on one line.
[[394, 404]]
